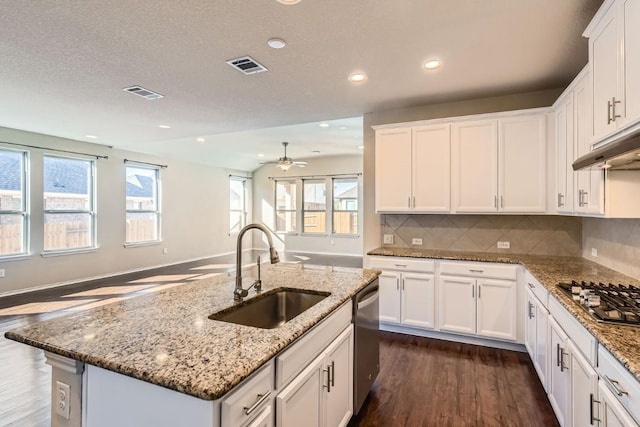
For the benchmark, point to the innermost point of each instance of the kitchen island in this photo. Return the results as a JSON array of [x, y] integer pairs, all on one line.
[[166, 339]]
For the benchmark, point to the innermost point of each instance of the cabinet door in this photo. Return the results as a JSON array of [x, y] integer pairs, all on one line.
[[584, 385], [265, 419], [522, 164], [393, 169], [631, 13], [542, 344], [564, 155], [559, 374], [457, 304], [300, 403], [497, 309], [339, 365], [604, 58], [530, 333], [431, 169], [611, 413], [418, 300], [474, 166], [389, 297]]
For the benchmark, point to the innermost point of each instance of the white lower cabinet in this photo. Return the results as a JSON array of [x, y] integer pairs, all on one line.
[[264, 419], [475, 305], [559, 373], [407, 291], [322, 394], [610, 413], [536, 333], [583, 388]]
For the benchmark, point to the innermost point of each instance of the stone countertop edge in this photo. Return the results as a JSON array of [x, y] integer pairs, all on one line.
[[165, 337], [623, 342]]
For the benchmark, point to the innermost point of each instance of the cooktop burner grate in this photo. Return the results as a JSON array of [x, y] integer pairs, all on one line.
[[608, 303]]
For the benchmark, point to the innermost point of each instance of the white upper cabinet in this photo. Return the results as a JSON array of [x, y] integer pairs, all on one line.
[[564, 154], [522, 164], [475, 166], [500, 165], [412, 169], [614, 57], [393, 170]]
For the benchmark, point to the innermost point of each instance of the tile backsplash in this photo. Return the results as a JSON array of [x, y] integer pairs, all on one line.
[[529, 234], [617, 242]]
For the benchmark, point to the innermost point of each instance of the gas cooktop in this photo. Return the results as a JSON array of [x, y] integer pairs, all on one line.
[[608, 303]]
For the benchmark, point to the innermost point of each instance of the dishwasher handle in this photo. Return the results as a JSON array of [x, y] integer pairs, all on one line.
[[372, 297]]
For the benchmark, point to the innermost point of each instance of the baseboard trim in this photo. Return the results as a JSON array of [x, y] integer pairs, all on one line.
[[104, 276], [485, 342]]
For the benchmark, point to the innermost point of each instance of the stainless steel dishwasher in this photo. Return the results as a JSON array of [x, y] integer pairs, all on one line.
[[367, 343]]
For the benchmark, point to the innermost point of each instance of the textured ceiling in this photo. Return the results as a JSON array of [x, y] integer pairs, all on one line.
[[63, 64]]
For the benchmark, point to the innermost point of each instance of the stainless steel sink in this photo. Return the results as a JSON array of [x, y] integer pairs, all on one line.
[[271, 310]]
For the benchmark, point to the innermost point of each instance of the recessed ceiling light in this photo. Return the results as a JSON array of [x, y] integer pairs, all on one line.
[[276, 43], [164, 126], [432, 64], [357, 77], [260, 155], [91, 136], [201, 140], [324, 125], [288, 2]]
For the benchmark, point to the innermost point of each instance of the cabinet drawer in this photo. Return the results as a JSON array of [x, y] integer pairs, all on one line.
[[403, 264], [620, 381], [479, 269], [582, 339], [294, 359], [250, 396], [536, 287]]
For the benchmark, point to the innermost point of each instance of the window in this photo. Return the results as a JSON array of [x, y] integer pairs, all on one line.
[[286, 206], [345, 206], [314, 196], [69, 215], [237, 204], [143, 204], [13, 203]]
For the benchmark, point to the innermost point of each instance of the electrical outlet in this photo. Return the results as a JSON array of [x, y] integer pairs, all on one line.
[[1, 273], [333, 242], [165, 251], [504, 245], [416, 241], [594, 252], [388, 239], [62, 399]]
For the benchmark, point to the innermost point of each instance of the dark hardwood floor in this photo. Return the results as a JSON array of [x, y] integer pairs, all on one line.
[[429, 382], [422, 382]]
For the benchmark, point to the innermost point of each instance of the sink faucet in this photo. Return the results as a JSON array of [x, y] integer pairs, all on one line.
[[239, 292]]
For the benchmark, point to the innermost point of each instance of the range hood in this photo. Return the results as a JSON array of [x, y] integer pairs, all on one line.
[[623, 154]]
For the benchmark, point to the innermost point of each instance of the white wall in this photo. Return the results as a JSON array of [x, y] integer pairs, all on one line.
[[195, 217], [263, 209]]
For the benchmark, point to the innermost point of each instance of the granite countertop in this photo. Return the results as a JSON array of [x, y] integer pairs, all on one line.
[[167, 339], [623, 342]]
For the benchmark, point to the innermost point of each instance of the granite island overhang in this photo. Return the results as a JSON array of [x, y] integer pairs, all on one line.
[[167, 339]]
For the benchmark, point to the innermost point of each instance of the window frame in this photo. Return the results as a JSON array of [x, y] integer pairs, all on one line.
[[303, 210], [158, 205], [295, 209], [334, 210], [244, 211], [92, 211], [25, 212]]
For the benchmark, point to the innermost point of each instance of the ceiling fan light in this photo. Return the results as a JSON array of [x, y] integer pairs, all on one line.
[[284, 166]]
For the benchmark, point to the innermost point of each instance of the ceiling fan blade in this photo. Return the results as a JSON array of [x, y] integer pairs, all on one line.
[[269, 163], [301, 163]]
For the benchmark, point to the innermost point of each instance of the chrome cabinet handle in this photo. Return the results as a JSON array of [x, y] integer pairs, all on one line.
[[328, 371], [495, 201], [614, 116], [400, 265], [531, 285], [479, 291], [333, 373], [591, 402], [261, 398], [403, 283], [397, 283], [473, 291], [414, 201], [562, 354], [609, 108], [558, 354], [475, 271], [585, 196], [409, 201], [531, 315], [560, 196], [616, 387]]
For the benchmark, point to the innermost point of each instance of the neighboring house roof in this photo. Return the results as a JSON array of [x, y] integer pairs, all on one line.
[[10, 177], [65, 176], [140, 186], [351, 193]]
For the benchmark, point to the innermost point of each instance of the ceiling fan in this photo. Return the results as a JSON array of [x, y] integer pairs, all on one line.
[[285, 162]]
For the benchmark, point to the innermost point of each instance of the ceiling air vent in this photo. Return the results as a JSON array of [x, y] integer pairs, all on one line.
[[145, 93], [247, 65]]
